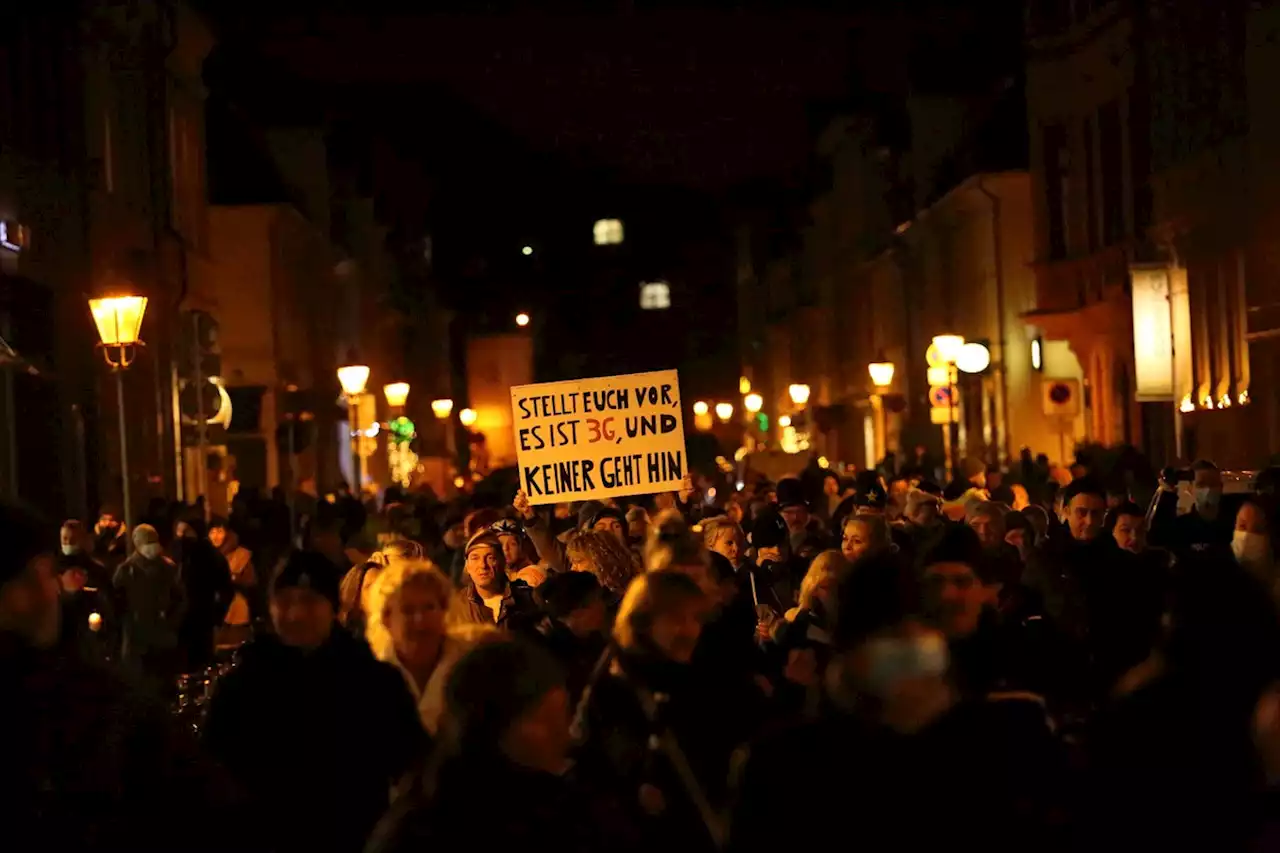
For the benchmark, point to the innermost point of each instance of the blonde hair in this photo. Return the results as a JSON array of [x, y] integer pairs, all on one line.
[[717, 526], [387, 589], [827, 565], [648, 595], [611, 562]]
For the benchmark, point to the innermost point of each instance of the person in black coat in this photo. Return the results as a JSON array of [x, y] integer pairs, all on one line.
[[314, 728], [573, 627], [494, 781], [206, 579]]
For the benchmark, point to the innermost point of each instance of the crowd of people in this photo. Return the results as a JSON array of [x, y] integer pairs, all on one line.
[[876, 661]]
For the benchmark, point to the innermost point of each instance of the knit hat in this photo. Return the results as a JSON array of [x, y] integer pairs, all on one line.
[[769, 530], [308, 570], [144, 534], [873, 498], [970, 467], [600, 511], [484, 537]]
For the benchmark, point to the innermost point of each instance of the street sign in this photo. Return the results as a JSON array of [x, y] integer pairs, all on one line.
[[941, 397], [1060, 398]]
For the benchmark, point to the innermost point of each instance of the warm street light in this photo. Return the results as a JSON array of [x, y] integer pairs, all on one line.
[[353, 378], [948, 347], [522, 319], [881, 373], [784, 421], [397, 394], [526, 251], [442, 408], [744, 385], [753, 403], [799, 394], [119, 322], [467, 417], [700, 408], [973, 358], [724, 411]]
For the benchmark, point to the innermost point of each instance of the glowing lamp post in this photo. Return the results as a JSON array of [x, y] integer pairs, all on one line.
[[724, 411], [881, 373], [950, 348], [468, 418], [753, 403], [799, 394], [442, 409], [353, 378], [397, 394], [522, 319], [700, 408], [119, 322]]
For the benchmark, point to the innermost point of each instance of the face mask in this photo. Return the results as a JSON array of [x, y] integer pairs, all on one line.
[[150, 551], [1208, 498], [894, 660], [1250, 547], [70, 550]]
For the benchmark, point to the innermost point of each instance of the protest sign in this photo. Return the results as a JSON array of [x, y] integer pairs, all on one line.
[[599, 438]]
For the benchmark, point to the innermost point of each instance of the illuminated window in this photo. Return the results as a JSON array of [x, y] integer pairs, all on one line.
[[655, 296], [608, 232]]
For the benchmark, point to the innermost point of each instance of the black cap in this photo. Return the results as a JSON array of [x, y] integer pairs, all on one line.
[[308, 570], [791, 493], [769, 530], [873, 498], [604, 512]]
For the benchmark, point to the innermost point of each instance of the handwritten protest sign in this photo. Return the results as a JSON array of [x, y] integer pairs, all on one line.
[[599, 438]]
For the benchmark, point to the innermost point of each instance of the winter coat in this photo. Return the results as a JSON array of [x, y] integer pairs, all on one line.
[[518, 612], [153, 603], [209, 592], [316, 739], [430, 696], [78, 636]]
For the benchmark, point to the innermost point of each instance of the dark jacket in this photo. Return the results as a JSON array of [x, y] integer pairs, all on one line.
[[209, 591], [519, 611], [99, 575], [486, 802], [316, 739], [578, 656], [90, 765], [78, 636]]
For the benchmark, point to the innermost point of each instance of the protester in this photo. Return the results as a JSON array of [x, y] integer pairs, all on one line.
[[308, 685], [488, 597]]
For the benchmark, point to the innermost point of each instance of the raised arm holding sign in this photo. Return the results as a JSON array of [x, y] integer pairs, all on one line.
[[599, 438]]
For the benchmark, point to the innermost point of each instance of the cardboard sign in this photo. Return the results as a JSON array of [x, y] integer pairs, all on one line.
[[599, 438]]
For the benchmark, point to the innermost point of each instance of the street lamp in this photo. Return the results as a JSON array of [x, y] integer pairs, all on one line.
[[442, 408], [724, 411], [881, 373], [522, 319], [744, 385], [700, 408], [467, 417], [949, 348], [753, 403], [397, 394], [799, 394], [353, 378], [119, 322]]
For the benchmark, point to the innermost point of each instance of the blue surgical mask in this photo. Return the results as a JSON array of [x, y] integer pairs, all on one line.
[[1207, 498]]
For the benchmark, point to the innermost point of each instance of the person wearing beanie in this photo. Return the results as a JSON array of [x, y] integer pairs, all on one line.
[[152, 599], [313, 681], [488, 596]]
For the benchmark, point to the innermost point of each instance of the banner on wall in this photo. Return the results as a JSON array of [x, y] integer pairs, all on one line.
[[607, 437]]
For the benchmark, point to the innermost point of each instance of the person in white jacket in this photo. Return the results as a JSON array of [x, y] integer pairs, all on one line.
[[407, 610]]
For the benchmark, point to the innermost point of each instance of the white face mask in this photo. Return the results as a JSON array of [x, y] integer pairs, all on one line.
[[69, 550], [150, 551], [1250, 547]]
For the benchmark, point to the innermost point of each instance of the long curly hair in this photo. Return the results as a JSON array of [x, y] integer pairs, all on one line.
[[604, 556], [386, 590]]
